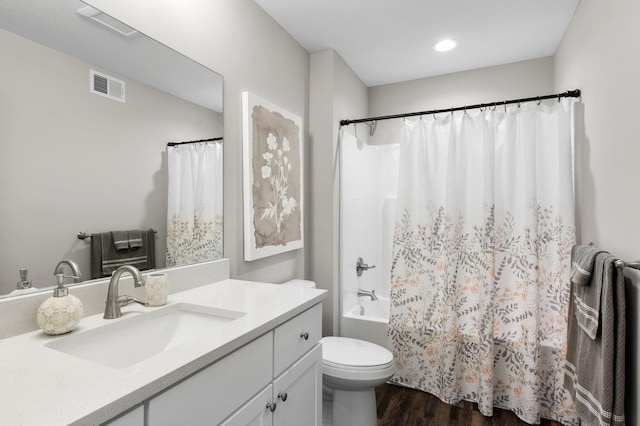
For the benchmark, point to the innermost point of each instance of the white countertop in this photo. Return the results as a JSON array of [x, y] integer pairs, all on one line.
[[42, 386]]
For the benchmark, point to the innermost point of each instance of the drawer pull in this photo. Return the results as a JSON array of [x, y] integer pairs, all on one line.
[[272, 407], [282, 396], [304, 335]]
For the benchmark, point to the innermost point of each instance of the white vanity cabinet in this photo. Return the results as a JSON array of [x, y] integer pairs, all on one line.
[[134, 417], [273, 380], [298, 392]]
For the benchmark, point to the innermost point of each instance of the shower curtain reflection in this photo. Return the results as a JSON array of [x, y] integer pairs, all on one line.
[[194, 207]]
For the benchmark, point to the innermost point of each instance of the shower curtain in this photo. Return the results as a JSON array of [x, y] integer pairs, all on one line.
[[481, 257], [194, 207]]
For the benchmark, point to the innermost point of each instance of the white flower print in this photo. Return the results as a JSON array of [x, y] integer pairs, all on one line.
[[271, 141], [278, 175]]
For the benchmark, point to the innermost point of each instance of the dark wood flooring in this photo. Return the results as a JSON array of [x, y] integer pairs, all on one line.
[[399, 406]]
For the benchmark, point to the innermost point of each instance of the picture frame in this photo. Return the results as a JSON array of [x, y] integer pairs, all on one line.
[[272, 175]]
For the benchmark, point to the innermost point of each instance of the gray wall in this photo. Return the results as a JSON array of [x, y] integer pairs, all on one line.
[[521, 79], [335, 93], [598, 54], [237, 39], [74, 161]]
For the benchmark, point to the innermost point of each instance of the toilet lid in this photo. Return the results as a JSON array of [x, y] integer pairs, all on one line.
[[353, 352]]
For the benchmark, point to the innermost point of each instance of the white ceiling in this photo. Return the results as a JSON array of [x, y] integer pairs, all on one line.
[[57, 24], [387, 41]]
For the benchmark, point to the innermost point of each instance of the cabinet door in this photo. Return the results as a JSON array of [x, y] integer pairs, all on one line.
[[256, 412], [211, 395], [134, 417], [298, 392]]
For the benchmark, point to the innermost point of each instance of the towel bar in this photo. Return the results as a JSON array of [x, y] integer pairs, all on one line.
[[622, 264], [83, 235]]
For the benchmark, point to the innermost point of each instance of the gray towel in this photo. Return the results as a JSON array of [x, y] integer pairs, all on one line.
[[595, 367], [120, 240], [135, 239], [588, 277], [582, 261], [105, 259]]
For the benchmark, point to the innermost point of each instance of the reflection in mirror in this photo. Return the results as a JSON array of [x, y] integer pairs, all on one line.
[[75, 161]]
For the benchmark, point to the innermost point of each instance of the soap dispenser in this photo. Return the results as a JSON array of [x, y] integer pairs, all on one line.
[[24, 285], [60, 313]]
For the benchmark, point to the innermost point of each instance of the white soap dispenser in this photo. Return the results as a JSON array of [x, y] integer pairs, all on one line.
[[60, 313]]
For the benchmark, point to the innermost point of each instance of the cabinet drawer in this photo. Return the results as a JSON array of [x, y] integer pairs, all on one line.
[[296, 337], [209, 396]]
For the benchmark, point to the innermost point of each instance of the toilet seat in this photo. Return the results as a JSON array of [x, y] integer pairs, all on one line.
[[353, 353]]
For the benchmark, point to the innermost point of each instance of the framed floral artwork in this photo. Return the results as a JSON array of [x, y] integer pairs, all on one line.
[[272, 179]]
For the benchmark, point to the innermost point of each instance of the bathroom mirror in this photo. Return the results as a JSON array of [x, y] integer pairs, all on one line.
[[73, 160]]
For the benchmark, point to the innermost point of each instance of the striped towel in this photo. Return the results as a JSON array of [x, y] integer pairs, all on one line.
[[587, 269], [120, 240], [595, 366], [105, 259]]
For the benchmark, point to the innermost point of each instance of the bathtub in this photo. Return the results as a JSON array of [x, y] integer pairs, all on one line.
[[368, 320]]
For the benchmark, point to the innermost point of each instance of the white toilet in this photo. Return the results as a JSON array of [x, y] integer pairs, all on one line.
[[351, 369]]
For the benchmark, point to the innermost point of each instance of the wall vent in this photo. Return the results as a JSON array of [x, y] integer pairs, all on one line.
[[104, 85]]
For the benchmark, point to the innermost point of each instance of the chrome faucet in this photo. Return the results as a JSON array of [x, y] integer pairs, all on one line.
[[114, 302], [75, 270], [371, 294], [361, 266]]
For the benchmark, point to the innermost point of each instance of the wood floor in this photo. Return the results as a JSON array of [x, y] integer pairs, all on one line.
[[399, 406]]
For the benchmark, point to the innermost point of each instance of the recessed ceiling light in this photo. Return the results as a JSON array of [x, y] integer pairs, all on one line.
[[444, 45]]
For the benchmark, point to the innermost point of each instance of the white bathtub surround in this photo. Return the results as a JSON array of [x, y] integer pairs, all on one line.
[[368, 178], [93, 393], [368, 320], [480, 280]]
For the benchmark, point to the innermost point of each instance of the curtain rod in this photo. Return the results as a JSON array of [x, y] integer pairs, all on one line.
[[201, 140], [567, 94]]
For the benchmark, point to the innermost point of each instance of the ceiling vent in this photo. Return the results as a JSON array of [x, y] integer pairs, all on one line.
[[107, 21], [104, 85]]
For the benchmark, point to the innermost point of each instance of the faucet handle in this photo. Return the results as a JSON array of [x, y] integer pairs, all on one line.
[[361, 266]]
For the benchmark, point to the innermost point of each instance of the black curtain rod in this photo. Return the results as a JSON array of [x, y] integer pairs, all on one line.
[[567, 94], [201, 140]]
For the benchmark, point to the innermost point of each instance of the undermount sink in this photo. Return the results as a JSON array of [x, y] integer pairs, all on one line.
[[128, 341]]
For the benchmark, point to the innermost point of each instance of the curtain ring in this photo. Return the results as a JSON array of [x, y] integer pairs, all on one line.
[[518, 104], [539, 100], [435, 117], [558, 97], [505, 106], [494, 106]]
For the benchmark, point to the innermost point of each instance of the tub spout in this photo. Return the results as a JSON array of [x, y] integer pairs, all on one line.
[[371, 294]]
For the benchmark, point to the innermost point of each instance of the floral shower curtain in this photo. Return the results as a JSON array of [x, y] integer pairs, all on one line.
[[194, 208], [483, 234]]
